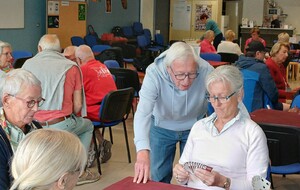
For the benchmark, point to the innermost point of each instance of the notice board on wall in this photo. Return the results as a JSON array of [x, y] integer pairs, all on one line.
[[11, 14], [66, 19]]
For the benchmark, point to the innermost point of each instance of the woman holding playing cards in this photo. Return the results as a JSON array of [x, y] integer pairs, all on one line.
[[227, 149]]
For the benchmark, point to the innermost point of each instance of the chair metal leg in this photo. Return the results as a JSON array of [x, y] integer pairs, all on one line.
[[111, 136], [126, 139], [271, 180], [97, 153]]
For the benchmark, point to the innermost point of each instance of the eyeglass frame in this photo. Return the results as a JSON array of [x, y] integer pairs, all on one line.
[[184, 74], [7, 53], [30, 103], [222, 100]]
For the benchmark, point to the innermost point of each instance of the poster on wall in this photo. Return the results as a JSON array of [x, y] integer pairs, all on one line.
[[81, 11], [108, 6], [124, 4], [201, 9], [53, 21], [53, 8]]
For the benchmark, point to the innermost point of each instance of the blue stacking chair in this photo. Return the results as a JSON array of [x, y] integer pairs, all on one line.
[[210, 56], [77, 40], [111, 64], [99, 48], [296, 102], [17, 54], [115, 108], [137, 28], [145, 46], [90, 40], [128, 31]]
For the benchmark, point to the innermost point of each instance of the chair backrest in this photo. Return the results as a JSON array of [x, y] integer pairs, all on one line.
[[296, 102], [77, 40], [90, 40], [142, 41], [283, 144], [116, 105], [210, 56], [229, 57], [159, 39], [128, 50], [18, 63], [127, 31], [113, 53], [137, 28], [251, 79], [111, 64], [126, 78], [100, 48], [148, 35], [21, 54]]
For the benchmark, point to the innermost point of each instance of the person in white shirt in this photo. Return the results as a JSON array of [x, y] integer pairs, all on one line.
[[228, 141], [228, 46]]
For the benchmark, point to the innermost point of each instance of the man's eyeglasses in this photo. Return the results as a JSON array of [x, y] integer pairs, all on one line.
[[182, 76], [31, 103], [222, 100], [7, 54]]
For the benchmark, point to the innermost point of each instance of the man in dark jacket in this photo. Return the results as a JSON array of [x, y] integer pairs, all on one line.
[[5, 157], [253, 61]]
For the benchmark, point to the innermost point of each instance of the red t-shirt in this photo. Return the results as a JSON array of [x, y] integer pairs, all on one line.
[[207, 47], [97, 81]]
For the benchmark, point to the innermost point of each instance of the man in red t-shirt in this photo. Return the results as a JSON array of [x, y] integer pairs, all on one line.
[[97, 82]]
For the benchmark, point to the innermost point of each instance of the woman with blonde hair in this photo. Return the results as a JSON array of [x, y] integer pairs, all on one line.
[[278, 55], [48, 159], [228, 46]]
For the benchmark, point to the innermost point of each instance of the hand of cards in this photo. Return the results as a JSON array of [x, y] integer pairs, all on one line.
[[260, 183], [191, 166]]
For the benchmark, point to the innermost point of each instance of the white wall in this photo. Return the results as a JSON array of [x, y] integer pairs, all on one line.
[[292, 9], [254, 10], [147, 14]]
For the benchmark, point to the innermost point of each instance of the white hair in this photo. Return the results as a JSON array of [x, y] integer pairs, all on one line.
[[227, 74], [44, 156], [17, 80], [3, 45], [180, 51], [50, 42]]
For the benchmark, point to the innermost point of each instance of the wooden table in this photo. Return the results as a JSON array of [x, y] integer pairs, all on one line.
[[218, 63], [276, 118], [127, 184]]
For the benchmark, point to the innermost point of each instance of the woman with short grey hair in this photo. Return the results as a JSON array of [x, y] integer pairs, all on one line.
[[48, 159], [6, 58], [226, 149]]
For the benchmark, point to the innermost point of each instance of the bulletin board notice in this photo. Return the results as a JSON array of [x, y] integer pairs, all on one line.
[[66, 19]]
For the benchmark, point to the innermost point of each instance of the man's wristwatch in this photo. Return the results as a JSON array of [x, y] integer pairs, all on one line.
[[226, 183]]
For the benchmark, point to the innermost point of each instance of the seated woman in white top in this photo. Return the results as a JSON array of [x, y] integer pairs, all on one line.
[[228, 46], [231, 145]]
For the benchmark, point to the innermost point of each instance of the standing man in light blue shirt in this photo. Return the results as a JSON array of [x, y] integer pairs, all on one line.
[[172, 99]]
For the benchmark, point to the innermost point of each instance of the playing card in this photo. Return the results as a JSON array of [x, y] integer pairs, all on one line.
[[191, 166], [259, 183]]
